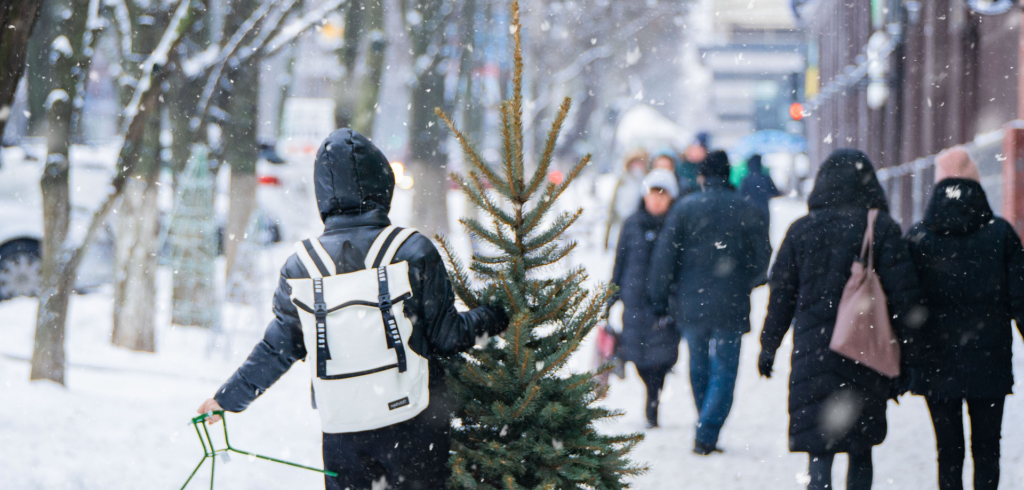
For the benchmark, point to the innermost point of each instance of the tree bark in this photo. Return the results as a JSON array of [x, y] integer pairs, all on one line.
[[17, 20], [135, 254], [239, 136], [376, 50], [57, 280], [427, 157]]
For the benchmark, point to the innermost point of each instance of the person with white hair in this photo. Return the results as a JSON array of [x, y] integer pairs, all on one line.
[[648, 341]]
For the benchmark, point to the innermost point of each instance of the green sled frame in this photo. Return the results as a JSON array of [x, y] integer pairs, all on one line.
[[210, 452]]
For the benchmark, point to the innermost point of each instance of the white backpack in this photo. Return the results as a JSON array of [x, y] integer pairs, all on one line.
[[365, 376]]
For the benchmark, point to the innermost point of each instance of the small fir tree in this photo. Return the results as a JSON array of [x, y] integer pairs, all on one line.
[[524, 421]]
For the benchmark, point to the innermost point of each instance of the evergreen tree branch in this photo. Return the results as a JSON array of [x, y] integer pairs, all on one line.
[[549, 148], [460, 280], [474, 158]]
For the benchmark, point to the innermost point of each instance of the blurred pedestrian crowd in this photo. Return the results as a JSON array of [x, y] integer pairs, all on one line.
[[692, 246]]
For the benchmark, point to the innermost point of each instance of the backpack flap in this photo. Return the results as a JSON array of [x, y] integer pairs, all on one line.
[[350, 300]]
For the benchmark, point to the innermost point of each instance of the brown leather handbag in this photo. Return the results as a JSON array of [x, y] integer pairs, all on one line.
[[863, 331]]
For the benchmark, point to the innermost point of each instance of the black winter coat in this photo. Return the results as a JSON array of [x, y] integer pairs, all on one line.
[[758, 188], [643, 341], [354, 185], [971, 268], [713, 251], [835, 405]]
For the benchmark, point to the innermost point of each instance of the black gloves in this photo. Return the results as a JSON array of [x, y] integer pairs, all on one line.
[[765, 362], [499, 320]]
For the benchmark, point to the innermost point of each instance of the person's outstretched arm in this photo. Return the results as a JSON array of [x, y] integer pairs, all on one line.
[[433, 302], [665, 260], [784, 284], [281, 346]]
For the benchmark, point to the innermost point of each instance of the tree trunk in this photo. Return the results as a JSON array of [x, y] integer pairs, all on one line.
[[239, 137], [55, 293], [57, 269], [376, 50], [135, 260], [241, 153], [427, 158], [346, 90], [135, 253], [17, 20]]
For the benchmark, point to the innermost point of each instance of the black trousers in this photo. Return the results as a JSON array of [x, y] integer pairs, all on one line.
[[858, 475], [654, 379], [412, 455], [986, 427]]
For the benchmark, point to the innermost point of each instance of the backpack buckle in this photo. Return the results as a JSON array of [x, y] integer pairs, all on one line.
[[384, 301], [319, 310]]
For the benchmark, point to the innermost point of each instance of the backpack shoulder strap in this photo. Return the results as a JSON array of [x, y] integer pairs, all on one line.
[[313, 256], [388, 254], [379, 244]]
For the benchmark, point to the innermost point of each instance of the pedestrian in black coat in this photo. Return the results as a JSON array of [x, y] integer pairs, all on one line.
[[713, 251], [647, 340], [971, 268], [835, 404], [354, 185], [757, 187]]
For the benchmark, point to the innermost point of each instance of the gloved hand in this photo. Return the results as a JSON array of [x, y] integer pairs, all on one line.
[[499, 320], [665, 322], [765, 362]]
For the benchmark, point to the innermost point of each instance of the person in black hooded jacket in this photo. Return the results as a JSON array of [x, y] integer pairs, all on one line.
[[971, 267], [354, 185], [835, 404], [647, 341], [712, 252]]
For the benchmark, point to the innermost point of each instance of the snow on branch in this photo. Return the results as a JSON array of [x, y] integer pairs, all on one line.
[[124, 24], [157, 59], [135, 118], [230, 48], [292, 31]]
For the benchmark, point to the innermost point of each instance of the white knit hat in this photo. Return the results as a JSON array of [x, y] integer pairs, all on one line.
[[660, 178]]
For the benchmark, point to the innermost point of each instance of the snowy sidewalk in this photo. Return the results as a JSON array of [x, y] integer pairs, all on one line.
[[123, 423]]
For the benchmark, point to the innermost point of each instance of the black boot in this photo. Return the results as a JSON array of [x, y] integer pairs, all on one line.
[[652, 414]]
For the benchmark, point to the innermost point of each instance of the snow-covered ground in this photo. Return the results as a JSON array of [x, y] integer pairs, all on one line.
[[122, 420]]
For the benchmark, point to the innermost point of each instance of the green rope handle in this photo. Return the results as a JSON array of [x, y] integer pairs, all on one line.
[[210, 452]]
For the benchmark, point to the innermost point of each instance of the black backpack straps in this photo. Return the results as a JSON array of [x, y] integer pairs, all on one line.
[[394, 336], [315, 258], [385, 247], [323, 351], [387, 253]]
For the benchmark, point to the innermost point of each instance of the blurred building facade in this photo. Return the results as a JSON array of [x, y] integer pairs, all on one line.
[[902, 80], [746, 66]]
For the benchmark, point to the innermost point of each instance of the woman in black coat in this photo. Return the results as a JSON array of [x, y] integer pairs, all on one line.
[[971, 268], [835, 404], [648, 341]]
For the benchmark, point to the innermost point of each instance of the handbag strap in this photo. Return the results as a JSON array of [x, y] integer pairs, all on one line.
[[867, 248]]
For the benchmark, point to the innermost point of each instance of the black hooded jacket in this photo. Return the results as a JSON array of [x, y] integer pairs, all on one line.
[[807, 280], [712, 252], [971, 268], [354, 185], [644, 341], [757, 187]]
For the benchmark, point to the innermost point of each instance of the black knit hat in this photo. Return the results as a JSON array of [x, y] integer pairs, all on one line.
[[716, 165]]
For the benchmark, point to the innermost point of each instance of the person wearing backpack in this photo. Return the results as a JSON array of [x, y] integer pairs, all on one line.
[[836, 405], [370, 308], [971, 267]]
